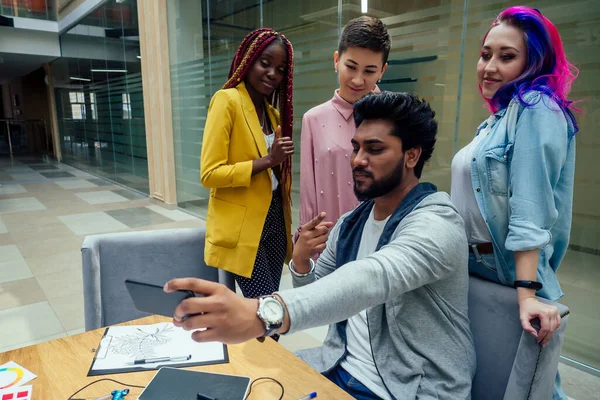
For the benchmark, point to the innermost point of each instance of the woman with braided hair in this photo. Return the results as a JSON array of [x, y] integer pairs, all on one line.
[[246, 163]]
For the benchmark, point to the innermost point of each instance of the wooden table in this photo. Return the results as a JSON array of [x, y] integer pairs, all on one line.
[[62, 365]]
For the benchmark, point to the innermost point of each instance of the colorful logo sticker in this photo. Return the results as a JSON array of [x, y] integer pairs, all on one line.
[[19, 375]]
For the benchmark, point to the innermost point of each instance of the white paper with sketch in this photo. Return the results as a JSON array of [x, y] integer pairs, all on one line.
[[121, 346]]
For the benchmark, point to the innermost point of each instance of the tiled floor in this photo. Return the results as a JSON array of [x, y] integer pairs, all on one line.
[[45, 212], [47, 209]]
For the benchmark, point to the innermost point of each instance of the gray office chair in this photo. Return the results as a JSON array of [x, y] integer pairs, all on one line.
[[151, 257], [510, 364]]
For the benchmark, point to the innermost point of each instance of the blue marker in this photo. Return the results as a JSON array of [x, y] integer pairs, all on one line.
[[119, 394], [114, 395], [309, 396]]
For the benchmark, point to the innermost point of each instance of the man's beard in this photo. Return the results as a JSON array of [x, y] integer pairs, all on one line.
[[379, 187]]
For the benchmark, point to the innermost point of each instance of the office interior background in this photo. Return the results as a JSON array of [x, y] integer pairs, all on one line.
[[123, 88]]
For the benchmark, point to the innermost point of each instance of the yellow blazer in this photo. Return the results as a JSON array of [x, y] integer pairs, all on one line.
[[239, 202]]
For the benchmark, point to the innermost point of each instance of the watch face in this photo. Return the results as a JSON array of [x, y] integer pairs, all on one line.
[[272, 310]]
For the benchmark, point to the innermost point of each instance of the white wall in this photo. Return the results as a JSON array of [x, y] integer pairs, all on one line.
[[96, 48], [23, 41]]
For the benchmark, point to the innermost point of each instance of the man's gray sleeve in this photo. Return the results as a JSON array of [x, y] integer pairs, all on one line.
[[429, 246]]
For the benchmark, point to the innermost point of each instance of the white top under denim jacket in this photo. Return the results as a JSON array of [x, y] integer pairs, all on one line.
[[522, 175], [461, 191]]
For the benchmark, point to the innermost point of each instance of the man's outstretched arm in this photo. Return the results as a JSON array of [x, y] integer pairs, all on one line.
[[410, 261]]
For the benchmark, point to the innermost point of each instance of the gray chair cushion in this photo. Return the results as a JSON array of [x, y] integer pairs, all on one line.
[[153, 257], [510, 364]]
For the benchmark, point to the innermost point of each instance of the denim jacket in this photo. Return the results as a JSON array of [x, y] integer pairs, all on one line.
[[522, 174]]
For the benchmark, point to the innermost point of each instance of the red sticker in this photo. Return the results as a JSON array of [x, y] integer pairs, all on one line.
[[22, 394], [7, 396]]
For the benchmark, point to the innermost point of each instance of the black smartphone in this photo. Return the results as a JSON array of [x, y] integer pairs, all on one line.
[[153, 299]]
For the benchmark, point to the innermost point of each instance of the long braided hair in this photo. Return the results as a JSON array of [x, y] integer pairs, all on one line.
[[246, 55]]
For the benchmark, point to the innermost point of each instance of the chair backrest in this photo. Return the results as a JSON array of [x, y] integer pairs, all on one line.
[[510, 364], [152, 257]]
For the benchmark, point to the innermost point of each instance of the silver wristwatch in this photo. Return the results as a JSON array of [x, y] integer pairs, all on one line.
[[271, 313]]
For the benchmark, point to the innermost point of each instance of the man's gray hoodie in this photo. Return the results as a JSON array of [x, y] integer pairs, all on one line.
[[415, 289]]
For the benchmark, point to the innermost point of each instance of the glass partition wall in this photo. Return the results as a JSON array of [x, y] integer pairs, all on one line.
[[99, 97], [38, 9], [435, 48]]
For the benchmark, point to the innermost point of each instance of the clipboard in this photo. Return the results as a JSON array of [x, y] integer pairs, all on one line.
[[121, 345]]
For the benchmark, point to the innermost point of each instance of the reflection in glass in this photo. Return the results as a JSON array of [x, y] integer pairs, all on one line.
[[434, 53], [98, 85], [38, 9]]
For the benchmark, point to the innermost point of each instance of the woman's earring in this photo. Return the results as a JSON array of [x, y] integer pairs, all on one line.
[[379, 81], [336, 71]]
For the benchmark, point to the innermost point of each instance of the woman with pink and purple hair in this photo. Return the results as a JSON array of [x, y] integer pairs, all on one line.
[[513, 184]]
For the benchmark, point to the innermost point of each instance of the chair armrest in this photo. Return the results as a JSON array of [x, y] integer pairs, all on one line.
[[534, 370]]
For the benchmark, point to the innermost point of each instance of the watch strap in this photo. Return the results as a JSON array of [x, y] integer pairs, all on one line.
[[528, 285]]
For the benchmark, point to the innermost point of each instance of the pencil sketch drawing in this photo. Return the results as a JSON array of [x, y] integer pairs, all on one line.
[[142, 343]]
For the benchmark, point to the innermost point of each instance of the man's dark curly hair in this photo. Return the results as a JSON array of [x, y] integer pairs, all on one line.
[[413, 119]]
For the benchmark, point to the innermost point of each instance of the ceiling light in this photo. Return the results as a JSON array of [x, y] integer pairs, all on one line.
[[109, 70], [74, 78], [364, 6]]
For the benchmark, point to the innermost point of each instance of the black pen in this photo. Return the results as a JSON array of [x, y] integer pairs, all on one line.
[[161, 359], [201, 396]]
